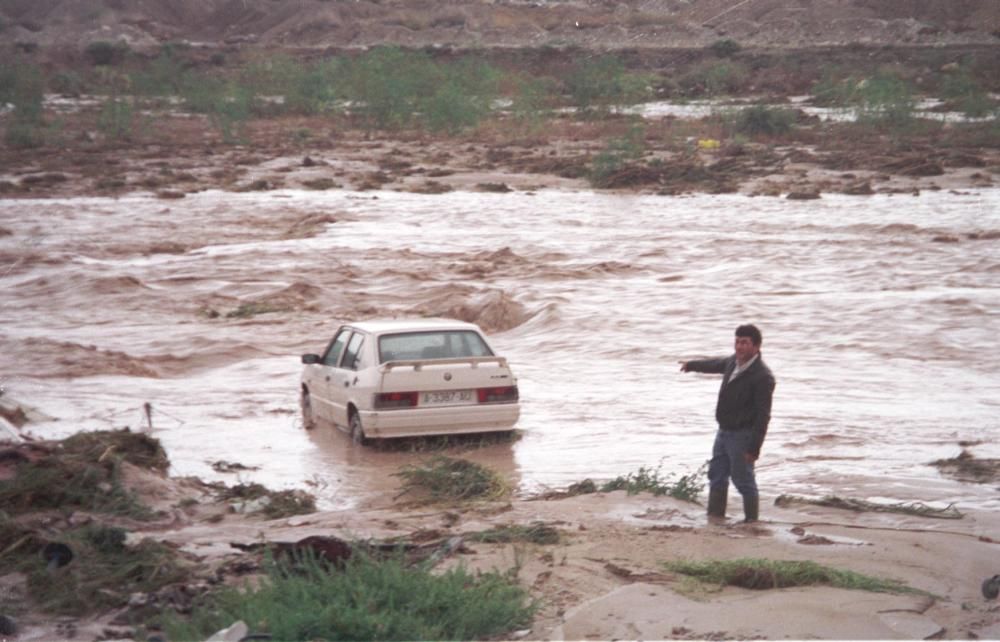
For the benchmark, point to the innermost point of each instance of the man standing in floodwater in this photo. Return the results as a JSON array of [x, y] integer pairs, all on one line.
[[743, 412]]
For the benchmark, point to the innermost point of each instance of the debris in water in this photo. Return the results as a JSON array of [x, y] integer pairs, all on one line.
[[861, 506], [968, 468]]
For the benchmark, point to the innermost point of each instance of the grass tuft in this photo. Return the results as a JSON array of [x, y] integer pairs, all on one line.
[[763, 120], [444, 478], [272, 504], [84, 473], [103, 572], [687, 487], [535, 533], [759, 574], [366, 599]]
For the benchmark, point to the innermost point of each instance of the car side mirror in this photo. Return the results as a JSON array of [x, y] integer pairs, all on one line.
[[310, 358]]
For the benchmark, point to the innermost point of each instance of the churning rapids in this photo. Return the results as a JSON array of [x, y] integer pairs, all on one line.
[[879, 316]]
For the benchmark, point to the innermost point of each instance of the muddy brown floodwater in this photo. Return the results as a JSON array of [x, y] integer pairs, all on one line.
[[880, 315]]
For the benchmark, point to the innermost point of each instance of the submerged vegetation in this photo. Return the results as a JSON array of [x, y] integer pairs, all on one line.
[[364, 599], [447, 479], [859, 505], [770, 574], [687, 487]]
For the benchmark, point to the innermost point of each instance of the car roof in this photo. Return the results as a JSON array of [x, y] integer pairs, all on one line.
[[387, 326]]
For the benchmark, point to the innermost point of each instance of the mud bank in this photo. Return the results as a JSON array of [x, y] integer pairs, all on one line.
[[600, 573]]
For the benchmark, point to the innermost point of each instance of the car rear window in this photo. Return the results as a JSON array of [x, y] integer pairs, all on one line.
[[446, 344]]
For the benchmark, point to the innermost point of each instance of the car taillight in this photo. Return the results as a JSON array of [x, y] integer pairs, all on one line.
[[497, 395], [396, 400]]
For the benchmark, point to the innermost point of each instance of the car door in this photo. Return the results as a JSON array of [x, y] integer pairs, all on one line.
[[320, 388], [344, 376]]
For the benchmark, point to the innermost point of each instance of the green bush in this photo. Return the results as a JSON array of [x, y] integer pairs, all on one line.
[[617, 154], [714, 79], [597, 87], [884, 99], [226, 103], [464, 99], [116, 118], [832, 90], [104, 53], [725, 48], [386, 83], [162, 77], [532, 100], [763, 120], [687, 487], [23, 86], [968, 94], [368, 599], [315, 89], [445, 478]]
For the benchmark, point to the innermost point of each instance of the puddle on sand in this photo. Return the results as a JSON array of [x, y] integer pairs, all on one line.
[[877, 333]]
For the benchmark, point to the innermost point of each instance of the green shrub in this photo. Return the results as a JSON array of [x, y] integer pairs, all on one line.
[[315, 89], [969, 95], [226, 103], [597, 87], [23, 86], [386, 83], [532, 100], [617, 154], [85, 473], [884, 99], [832, 90], [116, 118], [725, 48], [687, 487], [763, 120], [368, 599], [464, 99], [445, 478], [162, 77], [715, 79], [104, 53], [67, 83], [103, 573]]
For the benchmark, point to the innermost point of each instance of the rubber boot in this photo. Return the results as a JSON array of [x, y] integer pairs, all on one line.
[[717, 498], [751, 508]]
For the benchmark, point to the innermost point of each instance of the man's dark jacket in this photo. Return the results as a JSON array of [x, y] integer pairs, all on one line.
[[744, 402]]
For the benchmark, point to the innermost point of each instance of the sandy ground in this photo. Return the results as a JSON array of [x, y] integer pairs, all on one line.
[[605, 579]]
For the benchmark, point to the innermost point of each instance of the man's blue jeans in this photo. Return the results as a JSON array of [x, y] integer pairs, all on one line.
[[728, 462]]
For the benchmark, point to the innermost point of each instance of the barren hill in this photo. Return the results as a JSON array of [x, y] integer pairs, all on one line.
[[501, 23]]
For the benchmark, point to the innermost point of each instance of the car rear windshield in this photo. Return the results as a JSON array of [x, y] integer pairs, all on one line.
[[440, 344]]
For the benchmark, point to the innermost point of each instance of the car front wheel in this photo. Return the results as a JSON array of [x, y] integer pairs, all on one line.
[[357, 430], [308, 420]]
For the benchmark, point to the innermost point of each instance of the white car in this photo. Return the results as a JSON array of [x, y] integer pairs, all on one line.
[[406, 378]]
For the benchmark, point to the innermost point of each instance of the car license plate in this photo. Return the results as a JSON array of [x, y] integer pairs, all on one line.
[[448, 398]]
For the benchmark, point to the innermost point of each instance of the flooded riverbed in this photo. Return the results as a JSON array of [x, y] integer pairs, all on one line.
[[878, 315]]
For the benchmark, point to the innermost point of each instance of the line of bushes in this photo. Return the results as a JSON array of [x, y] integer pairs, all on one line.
[[390, 88]]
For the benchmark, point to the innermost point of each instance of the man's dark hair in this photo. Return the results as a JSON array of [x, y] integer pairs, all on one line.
[[750, 330]]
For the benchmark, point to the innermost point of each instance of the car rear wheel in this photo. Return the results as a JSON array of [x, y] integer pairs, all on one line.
[[308, 420], [357, 430]]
